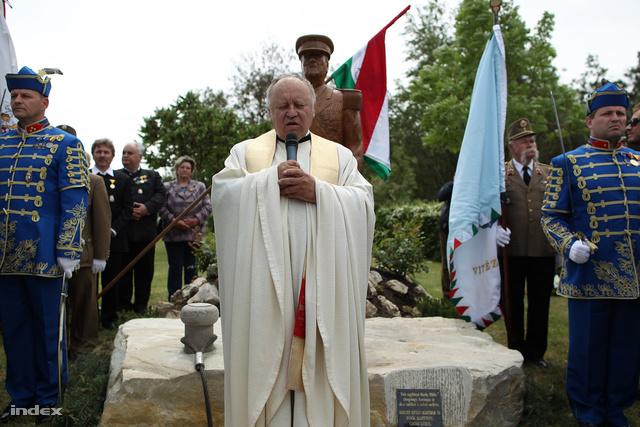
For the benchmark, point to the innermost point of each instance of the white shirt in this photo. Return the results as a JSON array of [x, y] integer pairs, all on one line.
[[97, 171], [520, 167]]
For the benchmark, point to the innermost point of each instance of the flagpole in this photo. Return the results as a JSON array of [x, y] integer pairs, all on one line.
[[405, 10], [385, 28], [495, 6]]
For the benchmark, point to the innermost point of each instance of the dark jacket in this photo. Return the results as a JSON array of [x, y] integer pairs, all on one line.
[[146, 188], [119, 189]]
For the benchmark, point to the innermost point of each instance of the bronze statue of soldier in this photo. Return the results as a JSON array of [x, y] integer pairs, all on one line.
[[337, 110]]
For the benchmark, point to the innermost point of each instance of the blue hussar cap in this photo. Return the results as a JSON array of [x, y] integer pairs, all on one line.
[[607, 95], [29, 79]]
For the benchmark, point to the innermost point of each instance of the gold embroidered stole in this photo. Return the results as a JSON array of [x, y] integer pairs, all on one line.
[[324, 162]]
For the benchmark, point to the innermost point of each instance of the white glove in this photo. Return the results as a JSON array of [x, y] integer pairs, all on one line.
[[68, 265], [503, 236], [579, 252], [98, 266]]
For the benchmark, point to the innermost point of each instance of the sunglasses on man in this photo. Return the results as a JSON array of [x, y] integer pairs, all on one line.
[[634, 121]]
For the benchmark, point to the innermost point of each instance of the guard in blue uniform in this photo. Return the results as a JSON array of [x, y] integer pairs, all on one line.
[[43, 202], [591, 215]]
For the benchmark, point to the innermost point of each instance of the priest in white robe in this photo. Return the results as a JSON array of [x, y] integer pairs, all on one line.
[[286, 228]]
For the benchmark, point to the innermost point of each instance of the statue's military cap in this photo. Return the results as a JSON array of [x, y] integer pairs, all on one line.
[[314, 42], [520, 128], [26, 78], [607, 95]]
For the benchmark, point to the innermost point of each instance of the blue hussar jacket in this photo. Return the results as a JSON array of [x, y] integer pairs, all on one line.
[[593, 193], [44, 186]]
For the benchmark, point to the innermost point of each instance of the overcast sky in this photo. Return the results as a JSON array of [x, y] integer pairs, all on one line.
[[123, 59]]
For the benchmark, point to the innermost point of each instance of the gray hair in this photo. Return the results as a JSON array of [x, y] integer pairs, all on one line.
[[297, 76], [139, 146]]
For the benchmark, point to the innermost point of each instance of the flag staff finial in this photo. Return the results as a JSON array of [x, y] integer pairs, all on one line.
[[495, 9]]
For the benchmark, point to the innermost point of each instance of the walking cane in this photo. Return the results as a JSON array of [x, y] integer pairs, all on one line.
[[61, 331], [152, 243]]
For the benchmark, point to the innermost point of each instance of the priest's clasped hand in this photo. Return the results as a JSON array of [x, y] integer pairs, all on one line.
[[295, 183]]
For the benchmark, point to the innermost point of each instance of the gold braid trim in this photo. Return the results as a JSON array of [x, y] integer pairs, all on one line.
[[18, 258], [71, 228], [558, 235]]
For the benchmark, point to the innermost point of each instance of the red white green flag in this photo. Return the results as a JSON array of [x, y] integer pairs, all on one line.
[[367, 71]]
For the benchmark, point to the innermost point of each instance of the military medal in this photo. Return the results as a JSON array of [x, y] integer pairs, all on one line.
[[111, 198], [113, 184]]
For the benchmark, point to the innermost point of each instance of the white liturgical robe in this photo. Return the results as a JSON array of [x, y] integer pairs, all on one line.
[[265, 243]]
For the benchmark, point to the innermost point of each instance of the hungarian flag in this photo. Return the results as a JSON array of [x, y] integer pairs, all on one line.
[[8, 64], [367, 71], [475, 201]]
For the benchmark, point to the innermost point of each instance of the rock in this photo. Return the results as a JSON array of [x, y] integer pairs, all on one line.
[[411, 311], [409, 280], [481, 382], [152, 382], [397, 286], [199, 290], [168, 310], [419, 292], [371, 291], [396, 291], [389, 308], [374, 277], [206, 293], [370, 310], [198, 281]]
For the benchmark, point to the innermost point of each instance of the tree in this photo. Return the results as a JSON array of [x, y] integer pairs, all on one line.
[[252, 77], [200, 125], [443, 85], [590, 78], [409, 179], [634, 82]]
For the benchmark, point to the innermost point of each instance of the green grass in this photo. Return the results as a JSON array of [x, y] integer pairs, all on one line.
[[545, 401]]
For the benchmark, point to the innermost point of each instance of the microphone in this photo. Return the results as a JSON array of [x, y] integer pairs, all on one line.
[[291, 143]]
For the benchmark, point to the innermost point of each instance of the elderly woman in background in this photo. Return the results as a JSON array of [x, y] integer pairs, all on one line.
[[179, 241]]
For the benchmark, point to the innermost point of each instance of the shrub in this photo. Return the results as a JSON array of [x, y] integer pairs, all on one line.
[[206, 259], [442, 307], [406, 236]]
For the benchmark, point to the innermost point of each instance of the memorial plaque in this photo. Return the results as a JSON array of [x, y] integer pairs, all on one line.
[[419, 407]]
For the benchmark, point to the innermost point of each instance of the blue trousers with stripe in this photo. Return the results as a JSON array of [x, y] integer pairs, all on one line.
[[29, 313], [604, 359]]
